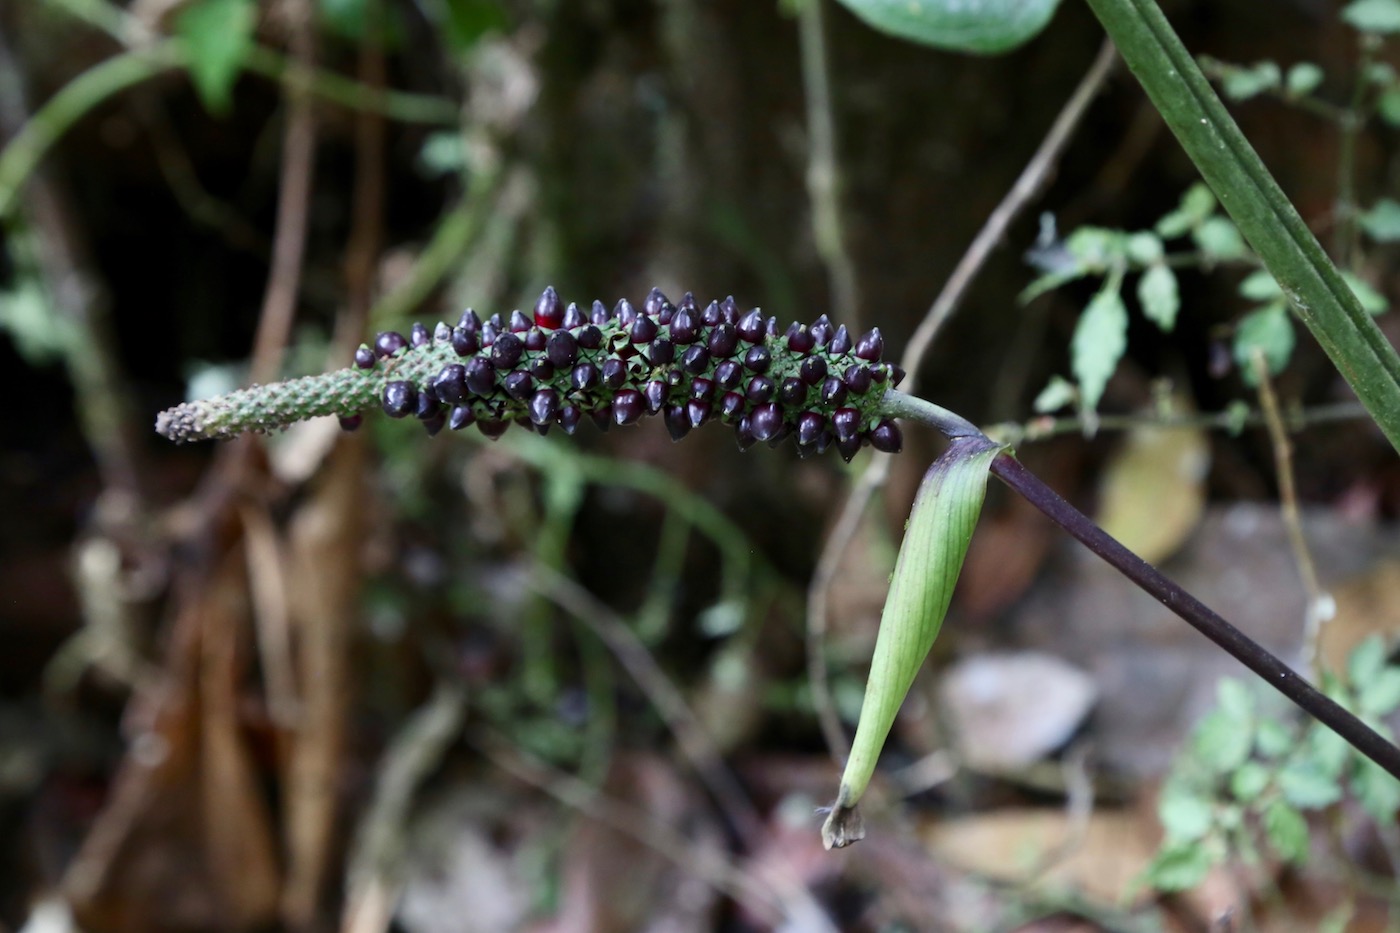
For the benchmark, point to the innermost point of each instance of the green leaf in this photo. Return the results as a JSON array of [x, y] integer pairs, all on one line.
[[1260, 286], [1327, 751], [1372, 301], [1196, 205], [1378, 792], [1058, 393], [930, 558], [1274, 739], [1303, 78], [469, 20], [1099, 340], [1185, 816], [1179, 868], [980, 26], [1381, 695], [1219, 238], [1366, 662], [1235, 700], [218, 34], [1158, 295], [1222, 743], [1379, 16], [1389, 106], [1270, 330], [1144, 248], [1382, 221], [1249, 781], [1244, 83], [1307, 785], [1287, 831], [1096, 248]]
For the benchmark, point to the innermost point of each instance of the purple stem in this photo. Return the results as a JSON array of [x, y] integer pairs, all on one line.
[[1244, 649]]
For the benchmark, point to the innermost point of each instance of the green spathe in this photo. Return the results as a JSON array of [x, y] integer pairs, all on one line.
[[940, 527], [981, 26]]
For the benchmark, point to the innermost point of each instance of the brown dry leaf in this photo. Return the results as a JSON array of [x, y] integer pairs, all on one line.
[[1152, 492], [1367, 604], [1098, 857]]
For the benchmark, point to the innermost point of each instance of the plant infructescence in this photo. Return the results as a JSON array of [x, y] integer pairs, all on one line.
[[691, 365]]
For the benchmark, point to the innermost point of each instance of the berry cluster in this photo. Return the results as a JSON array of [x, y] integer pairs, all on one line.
[[812, 382], [686, 363]]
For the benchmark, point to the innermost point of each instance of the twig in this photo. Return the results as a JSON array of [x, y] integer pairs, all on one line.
[[1026, 187], [824, 165], [1288, 507]]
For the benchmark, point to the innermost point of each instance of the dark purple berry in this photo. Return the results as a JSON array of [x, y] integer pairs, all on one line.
[[562, 349], [492, 427], [465, 342], [824, 440], [730, 310], [419, 335], [760, 389], [858, 378], [389, 342], [751, 327], [661, 352], [584, 377], [643, 330], [813, 370], [598, 314], [870, 345], [351, 422], [614, 373], [896, 373], [840, 341], [758, 358], [544, 405], [731, 405], [505, 352], [743, 434], [655, 301], [677, 424], [495, 321], [765, 421], [809, 428], [625, 314], [724, 340], [821, 330], [702, 388], [519, 323], [364, 357], [772, 327], [442, 333], [846, 423], [400, 399], [655, 394], [519, 385], [627, 406], [674, 378], [469, 320], [590, 337], [696, 359], [685, 327], [698, 411], [688, 303], [713, 315], [489, 332], [602, 417], [542, 369], [549, 310], [573, 317], [878, 373], [461, 416], [887, 438], [569, 417], [793, 392], [801, 340], [728, 374], [780, 435], [848, 448], [535, 339], [434, 424], [428, 407], [481, 376], [451, 384], [833, 391]]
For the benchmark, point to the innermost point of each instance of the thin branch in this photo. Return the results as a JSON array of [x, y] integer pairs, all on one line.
[[1026, 187]]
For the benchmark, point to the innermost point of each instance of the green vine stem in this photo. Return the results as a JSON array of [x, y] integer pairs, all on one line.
[[1264, 215]]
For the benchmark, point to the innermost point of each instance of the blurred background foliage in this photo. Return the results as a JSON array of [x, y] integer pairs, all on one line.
[[380, 681]]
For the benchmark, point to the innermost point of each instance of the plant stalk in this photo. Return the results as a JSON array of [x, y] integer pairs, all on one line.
[[1264, 215]]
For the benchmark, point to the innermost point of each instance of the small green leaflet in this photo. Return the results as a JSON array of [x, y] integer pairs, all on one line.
[[217, 34], [979, 26], [1244, 83], [1382, 221], [1099, 340], [1269, 330], [1157, 292], [1303, 78], [1380, 16]]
